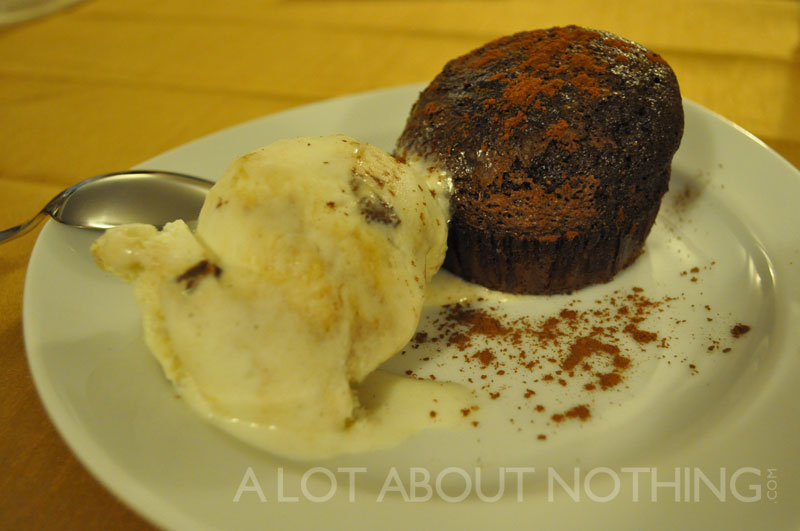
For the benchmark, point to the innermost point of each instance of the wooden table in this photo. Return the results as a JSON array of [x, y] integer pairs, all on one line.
[[106, 84]]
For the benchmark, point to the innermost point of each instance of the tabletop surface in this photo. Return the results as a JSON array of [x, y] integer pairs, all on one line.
[[102, 85]]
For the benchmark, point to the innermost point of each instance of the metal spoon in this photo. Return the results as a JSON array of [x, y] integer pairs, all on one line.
[[138, 196]]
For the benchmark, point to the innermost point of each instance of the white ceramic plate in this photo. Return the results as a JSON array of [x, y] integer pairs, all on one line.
[[692, 438]]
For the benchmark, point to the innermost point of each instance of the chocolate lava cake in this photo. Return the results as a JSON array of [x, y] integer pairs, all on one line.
[[559, 144]]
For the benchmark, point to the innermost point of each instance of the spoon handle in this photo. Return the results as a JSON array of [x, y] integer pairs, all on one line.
[[19, 230]]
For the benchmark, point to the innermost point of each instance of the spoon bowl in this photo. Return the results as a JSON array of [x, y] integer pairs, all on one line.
[[137, 196]]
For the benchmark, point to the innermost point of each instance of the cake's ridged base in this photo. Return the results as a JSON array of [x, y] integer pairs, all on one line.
[[527, 264]]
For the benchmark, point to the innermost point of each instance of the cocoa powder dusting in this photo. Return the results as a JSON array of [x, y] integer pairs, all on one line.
[[739, 330], [550, 64], [640, 336], [485, 356], [609, 380], [581, 412], [590, 349], [585, 347]]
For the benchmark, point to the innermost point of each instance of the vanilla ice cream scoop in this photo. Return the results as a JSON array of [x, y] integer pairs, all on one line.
[[306, 272]]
